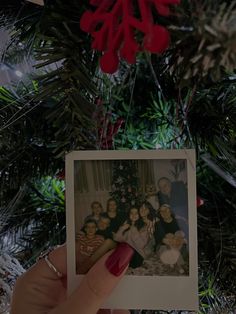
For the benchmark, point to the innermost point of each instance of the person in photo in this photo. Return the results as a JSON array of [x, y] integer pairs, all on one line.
[[176, 195], [130, 232], [97, 209], [149, 218], [151, 196], [166, 224], [112, 212], [173, 251], [103, 226], [87, 244]]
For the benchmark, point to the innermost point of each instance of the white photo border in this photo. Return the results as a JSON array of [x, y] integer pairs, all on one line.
[[140, 292]]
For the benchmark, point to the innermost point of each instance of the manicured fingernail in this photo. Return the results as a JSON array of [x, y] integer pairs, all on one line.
[[119, 259]]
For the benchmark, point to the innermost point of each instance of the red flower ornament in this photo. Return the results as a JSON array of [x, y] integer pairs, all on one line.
[[114, 27]]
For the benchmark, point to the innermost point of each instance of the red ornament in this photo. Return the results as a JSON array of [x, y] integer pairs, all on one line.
[[113, 27], [61, 175], [200, 201], [108, 130]]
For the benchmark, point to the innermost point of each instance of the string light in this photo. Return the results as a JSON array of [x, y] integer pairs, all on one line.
[[39, 2]]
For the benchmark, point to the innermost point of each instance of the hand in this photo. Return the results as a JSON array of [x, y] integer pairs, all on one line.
[[125, 226], [41, 291], [150, 226]]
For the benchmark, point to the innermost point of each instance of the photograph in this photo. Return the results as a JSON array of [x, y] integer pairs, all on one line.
[[143, 199], [140, 202]]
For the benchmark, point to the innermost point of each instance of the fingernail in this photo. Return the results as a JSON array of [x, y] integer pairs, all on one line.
[[119, 259]]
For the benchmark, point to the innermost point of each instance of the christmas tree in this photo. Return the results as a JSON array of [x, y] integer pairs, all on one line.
[[179, 93], [125, 185]]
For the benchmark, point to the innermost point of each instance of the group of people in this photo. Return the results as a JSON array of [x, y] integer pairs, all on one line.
[[146, 228], [96, 236]]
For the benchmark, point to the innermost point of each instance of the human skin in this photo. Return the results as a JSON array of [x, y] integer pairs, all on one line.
[[103, 223], [96, 209], [144, 212], [112, 204], [165, 213], [165, 186], [106, 246], [112, 209], [134, 215], [41, 291], [149, 224], [90, 229]]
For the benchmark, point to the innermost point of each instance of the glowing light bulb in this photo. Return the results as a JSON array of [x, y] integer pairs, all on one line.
[[39, 2]]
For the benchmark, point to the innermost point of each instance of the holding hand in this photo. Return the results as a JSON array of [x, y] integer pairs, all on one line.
[[42, 289]]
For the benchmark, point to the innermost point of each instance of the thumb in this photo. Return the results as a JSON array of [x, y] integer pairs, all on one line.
[[98, 283]]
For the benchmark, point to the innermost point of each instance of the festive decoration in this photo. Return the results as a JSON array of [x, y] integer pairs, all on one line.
[[43, 119], [108, 130], [39, 2], [108, 125], [117, 35], [207, 49], [61, 175], [125, 184], [200, 201]]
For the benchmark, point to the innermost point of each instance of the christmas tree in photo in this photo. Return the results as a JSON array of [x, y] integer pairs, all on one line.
[[125, 185]]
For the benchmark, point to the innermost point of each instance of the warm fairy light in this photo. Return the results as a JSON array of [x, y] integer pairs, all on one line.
[[39, 2]]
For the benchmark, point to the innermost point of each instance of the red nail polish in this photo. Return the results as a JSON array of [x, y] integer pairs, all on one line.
[[119, 259]]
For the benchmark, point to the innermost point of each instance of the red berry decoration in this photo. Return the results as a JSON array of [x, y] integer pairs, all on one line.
[[200, 201], [157, 46], [113, 27]]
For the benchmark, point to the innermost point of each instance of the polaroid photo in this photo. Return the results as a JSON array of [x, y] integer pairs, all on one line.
[[148, 200]]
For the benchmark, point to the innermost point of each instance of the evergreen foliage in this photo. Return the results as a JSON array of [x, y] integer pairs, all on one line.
[[185, 98], [35, 219]]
